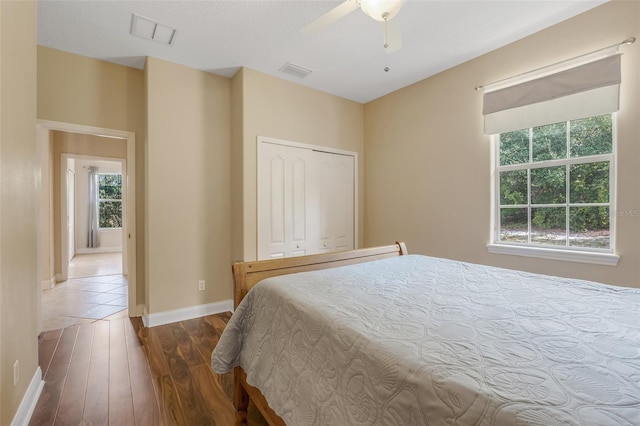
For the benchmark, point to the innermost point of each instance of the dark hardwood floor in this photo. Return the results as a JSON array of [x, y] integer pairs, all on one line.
[[117, 372]]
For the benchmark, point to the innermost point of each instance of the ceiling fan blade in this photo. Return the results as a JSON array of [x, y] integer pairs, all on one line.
[[393, 36], [338, 12]]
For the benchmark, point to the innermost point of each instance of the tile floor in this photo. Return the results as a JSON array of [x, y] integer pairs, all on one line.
[[93, 265], [90, 297]]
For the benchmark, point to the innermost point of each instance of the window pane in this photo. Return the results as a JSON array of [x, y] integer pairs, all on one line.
[[548, 185], [513, 187], [514, 225], [591, 136], [110, 187], [110, 214], [589, 227], [589, 183], [514, 147], [550, 142], [549, 225]]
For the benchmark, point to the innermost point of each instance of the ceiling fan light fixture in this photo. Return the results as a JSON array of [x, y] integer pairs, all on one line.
[[381, 10]]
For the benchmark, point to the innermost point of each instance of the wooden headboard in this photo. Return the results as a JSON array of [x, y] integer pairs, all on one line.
[[248, 274]]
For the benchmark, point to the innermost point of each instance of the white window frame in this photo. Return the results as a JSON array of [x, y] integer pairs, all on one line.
[[100, 200], [564, 253]]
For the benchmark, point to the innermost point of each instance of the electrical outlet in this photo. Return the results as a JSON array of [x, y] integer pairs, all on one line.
[[201, 285], [16, 372]]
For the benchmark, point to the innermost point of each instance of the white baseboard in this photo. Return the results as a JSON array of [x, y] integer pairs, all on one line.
[[49, 284], [29, 401], [166, 317], [140, 311], [99, 250], [58, 277]]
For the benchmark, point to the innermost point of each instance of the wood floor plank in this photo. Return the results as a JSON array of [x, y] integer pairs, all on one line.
[[145, 402], [210, 395], [75, 387], [171, 410], [205, 338], [120, 397], [180, 376], [180, 355], [47, 406], [155, 353], [184, 345], [46, 347], [96, 401], [203, 335]]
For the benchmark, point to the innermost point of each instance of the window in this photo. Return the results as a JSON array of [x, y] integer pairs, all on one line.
[[554, 185], [110, 200], [554, 169]]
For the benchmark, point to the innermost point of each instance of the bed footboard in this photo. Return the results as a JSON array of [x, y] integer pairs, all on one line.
[[248, 274]]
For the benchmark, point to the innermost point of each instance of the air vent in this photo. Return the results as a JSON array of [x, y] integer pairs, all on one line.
[[295, 70], [151, 30]]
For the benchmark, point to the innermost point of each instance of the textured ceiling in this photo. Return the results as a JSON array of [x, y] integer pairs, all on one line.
[[347, 58]]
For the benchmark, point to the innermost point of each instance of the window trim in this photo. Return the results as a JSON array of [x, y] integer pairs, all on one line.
[[111, 200], [563, 253]]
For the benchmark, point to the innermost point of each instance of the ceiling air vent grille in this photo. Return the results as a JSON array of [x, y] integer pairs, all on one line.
[[295, 70], [151, 30]]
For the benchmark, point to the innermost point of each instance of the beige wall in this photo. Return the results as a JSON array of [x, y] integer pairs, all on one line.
[[188, 186], [280, 109], [80, 90], [428, 165], [19, 281], [78, 144]]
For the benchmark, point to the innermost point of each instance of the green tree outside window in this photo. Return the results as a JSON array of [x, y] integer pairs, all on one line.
[[110, 200], [554, 184]]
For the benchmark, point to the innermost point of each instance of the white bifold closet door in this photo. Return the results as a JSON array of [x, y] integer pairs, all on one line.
[[305, 201], [335, 193]]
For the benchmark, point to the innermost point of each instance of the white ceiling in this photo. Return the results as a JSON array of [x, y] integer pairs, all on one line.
[[347, 58]]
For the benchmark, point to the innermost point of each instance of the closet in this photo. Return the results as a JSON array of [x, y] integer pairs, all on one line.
[[306, 199]]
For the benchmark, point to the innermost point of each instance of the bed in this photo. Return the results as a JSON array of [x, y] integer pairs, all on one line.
[[380, 337]]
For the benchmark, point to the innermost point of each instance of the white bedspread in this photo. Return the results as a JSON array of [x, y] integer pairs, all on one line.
[[415, 340]]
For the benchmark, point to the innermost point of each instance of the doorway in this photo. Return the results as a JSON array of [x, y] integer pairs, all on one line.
[[92, 185], [111, 271]]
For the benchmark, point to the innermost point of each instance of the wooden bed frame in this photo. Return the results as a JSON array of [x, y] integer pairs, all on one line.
[[248, 274]]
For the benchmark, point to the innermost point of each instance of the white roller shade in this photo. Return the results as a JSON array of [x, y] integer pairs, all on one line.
[[551, 95]]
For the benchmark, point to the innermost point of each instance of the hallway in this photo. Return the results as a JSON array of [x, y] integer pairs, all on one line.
[[95, 289]]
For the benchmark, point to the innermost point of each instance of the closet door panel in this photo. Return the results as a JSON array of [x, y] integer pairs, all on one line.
[[272, 226], [325, 187], [300, 169], [344, 202]]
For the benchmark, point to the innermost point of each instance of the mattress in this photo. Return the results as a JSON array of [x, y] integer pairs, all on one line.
[[416, 340]]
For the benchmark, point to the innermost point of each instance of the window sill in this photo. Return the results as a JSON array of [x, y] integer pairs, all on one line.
[[596, 258]]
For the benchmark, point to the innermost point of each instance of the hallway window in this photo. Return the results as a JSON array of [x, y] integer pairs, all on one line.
[[110, 200]]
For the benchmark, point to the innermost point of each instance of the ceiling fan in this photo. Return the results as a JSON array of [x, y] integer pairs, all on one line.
[[381, 10]]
